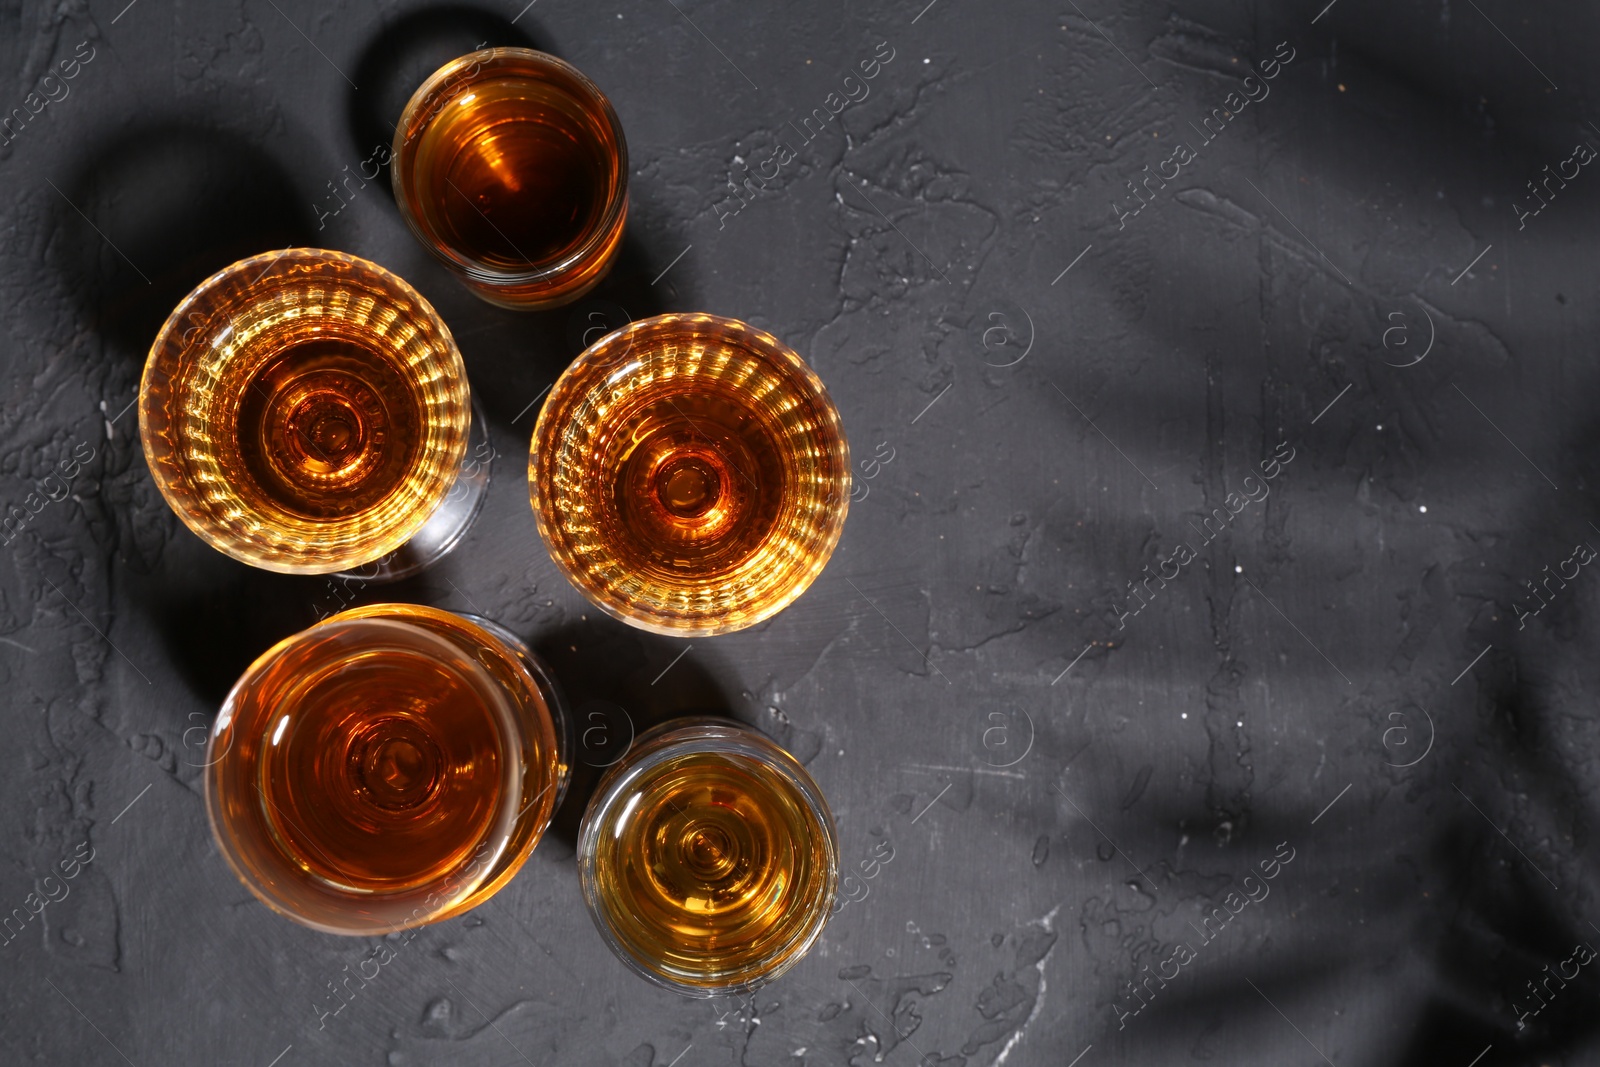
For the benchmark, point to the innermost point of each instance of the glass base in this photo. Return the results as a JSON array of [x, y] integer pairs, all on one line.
[[449, 522]]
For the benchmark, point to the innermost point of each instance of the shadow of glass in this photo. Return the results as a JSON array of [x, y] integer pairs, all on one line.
[[156, 211], [513, 356], [619, 682]]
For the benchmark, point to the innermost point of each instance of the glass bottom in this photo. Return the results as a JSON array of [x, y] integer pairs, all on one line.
[[449, 522]]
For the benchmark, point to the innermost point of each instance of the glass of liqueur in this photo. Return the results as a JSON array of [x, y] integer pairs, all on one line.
[[708, 859], [391, 766], [307, 412], [690, 474], [510, 167]]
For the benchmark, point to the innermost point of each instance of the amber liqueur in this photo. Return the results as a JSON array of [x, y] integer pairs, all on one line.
[[387, 768], [386, 772], [324, 428], [689, 474], [699, 486], [713, 869], [514, 173], [304, 411]]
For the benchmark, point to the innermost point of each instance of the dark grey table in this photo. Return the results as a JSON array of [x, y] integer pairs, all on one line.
[[1211, 639]]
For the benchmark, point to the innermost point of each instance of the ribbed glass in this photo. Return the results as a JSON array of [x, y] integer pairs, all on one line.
[[690, 474], [304, 411]]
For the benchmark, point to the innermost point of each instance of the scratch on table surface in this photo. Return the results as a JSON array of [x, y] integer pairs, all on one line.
[[970, 770], [1038, 998]]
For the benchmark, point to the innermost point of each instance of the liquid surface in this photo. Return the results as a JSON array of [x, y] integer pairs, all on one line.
[[698, 487], [326, 428], [711, 864], [304, 411], [689, 474], [379, 771], [512, 174]]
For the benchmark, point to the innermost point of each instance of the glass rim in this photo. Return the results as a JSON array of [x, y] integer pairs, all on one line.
[[757, 344], [173, 475], [729, 738], [498, 830], [401, 154]]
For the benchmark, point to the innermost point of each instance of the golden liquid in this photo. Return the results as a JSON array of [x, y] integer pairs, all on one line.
[[690, 474], [389, 772], [717, 871], [304, 411], [513, 178], [510, 166], [391, 766], [326, 428], [698, 486]]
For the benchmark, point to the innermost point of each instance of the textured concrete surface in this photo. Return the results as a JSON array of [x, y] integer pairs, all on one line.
[[1076, 283]]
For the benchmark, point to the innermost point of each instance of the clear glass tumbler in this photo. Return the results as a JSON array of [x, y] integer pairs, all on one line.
[[708, 858], [510, 167], [391, 766]]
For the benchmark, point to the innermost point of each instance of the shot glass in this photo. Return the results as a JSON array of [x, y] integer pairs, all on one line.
[[391, 766], [510, 167], [708, 858]]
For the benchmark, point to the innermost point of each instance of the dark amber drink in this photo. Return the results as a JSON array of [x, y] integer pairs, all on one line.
[[708, 858], [510, 166], [326, 427], [391, 766], [690, 474], [306, 411]]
